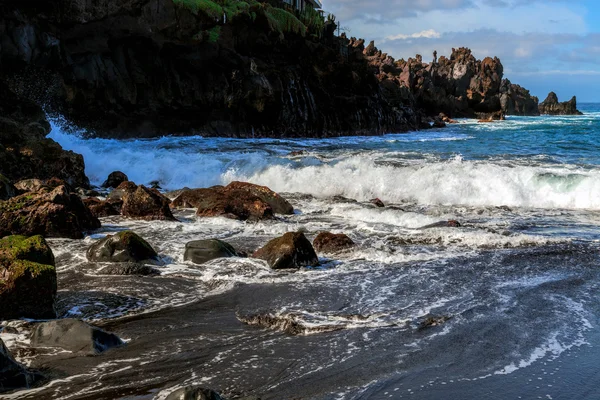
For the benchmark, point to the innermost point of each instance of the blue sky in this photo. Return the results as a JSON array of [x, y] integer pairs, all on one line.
[[544, 45]]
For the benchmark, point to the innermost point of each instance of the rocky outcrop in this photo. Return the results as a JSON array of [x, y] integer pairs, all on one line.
[[327, 242], [12, 374], [73, 335], [27, 278], [551, 106], [290, 251], [124, 246], [238, 200], [201, 251], [146, 204], [516, 100], [48, 212], [25, 152], [115, 179]]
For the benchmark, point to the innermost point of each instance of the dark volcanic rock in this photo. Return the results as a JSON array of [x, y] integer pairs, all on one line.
[[516, 100], [201, 251], [27, 278], [7, 189], [124, 246], [73, 335], [128, 269], [377, 202], [146, 204], [12, 374], [115, 179], [48, 212], [193, 393], [551, 106], [327, 242], [100, 208], [229, 202], [292, 250], [25, 152]]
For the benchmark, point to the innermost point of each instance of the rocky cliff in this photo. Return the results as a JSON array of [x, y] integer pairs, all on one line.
[[151, 67], [551, 106]]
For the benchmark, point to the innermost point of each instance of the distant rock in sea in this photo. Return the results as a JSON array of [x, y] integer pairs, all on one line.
[[551, 106]]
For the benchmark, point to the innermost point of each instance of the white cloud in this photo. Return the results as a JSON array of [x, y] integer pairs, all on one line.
[[429, 34]]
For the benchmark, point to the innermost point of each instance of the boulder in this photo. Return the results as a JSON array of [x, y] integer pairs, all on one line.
[[219, 202], [102, 208], [277, 203], [551, 106], [73, 335], [124, 246], [327, 242], [48, 212], [292, 250], [201, 251], [115, 179], [146, 204], [193, 393], [12, 374], [7, 190], [120, 191], [27, 278], [128, 269]]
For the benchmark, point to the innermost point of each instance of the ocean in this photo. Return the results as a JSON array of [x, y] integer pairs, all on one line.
[[514, 290]]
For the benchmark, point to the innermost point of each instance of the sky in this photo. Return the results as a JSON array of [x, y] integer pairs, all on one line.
[[544, 45]]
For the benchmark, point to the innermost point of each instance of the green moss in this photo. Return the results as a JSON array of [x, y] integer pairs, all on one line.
[[206, 7], [283, 21], [313, 21], [34, 249], [214, 33]]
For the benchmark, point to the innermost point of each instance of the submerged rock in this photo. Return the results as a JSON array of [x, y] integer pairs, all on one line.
[[290, 251], [201, 251], [551, 106], [129, 269], [124, 246], [327, 242], [7, 190], [115, 179], [12, 374], [27, 278], [443, 224], [193, 393], [146, 204], [377, 202], [433, 320], [48, 212], [73, 335]]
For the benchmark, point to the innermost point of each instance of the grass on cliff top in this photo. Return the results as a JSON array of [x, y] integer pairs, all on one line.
[[217, 9]]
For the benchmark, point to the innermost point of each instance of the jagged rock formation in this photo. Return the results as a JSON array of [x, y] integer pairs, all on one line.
[[459, 86], [551, 106]]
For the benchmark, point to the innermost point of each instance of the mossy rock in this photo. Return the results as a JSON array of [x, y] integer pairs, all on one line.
[[28, 284], [124, 246]]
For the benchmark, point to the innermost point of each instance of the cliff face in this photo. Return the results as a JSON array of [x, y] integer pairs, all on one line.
[[142, 68], [152, 67], [551, 106]]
